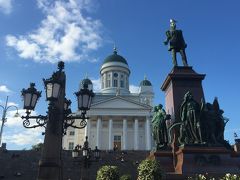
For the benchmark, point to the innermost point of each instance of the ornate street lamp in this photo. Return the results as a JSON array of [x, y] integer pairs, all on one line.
[[30, 97], [67, 108], [4, 114], [57, 120], [84, 97], [52, 89], [76, 151], [67, 104], [85, 148], [96, 153], [53, 84], [86, 153]]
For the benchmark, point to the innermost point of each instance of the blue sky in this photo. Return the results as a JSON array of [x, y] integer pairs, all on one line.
[[35, 34]]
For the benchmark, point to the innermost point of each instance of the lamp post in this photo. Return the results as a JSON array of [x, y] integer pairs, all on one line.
[[4, 114], [86, 154], [86, 151], [96, 153], [57, 120]]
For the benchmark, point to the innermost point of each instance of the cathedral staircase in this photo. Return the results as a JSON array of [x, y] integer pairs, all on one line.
[[23, 164]]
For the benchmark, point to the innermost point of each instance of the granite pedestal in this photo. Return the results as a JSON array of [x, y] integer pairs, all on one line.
[[192, 160], [179, 81]]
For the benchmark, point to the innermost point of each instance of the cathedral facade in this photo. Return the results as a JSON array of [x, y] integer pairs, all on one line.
[[118, 119]]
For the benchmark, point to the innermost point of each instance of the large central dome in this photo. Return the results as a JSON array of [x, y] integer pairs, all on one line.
[[115, 58], [114, 74]]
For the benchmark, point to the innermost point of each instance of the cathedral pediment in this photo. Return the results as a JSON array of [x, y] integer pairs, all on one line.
[[119, 102]]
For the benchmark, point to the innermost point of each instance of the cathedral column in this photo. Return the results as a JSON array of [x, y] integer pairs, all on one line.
[[124, 134], [99, 124], [136, 134], [148, 133], [110, 136], [76, 137], [87, 129]]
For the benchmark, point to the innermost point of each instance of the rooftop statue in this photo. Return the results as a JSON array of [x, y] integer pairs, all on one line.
[[176, 43]]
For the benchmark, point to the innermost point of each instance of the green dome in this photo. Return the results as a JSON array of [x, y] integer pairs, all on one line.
[[86, 81], [145, 83], [115, 58]]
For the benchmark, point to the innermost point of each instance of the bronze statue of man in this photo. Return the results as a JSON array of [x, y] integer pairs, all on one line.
[[176, 43]]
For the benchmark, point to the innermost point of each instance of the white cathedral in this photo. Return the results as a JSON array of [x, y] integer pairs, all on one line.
[[117, 118]]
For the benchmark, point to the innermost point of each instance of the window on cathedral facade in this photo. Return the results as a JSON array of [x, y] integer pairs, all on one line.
[[122, 81], [122, 84], [108, 80], [115, 83], [70, 145], [117, 138], [102, 82], [115, 80], [71, 133]]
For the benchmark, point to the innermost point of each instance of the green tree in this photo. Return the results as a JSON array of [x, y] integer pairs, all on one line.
[[37, 147], [150, 170], [125, 177], [108, 173]]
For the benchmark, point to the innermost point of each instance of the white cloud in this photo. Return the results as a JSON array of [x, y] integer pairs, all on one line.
[[64, 34], [13, 121], [12, 104], [4, 89], [26, 137], [6, 6], [134, 89], [96, 85], [15, 133]]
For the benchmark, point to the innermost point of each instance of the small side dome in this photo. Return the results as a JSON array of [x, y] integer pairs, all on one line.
[[145, 82], [87, 82], [115, 58]]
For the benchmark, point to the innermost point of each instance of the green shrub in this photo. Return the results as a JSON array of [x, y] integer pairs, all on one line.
[[150, 170], [108, 173], [227, 176], [125, 177]]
